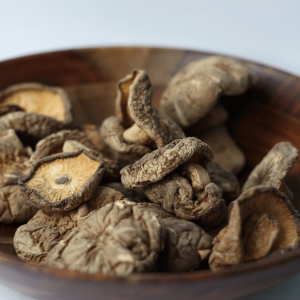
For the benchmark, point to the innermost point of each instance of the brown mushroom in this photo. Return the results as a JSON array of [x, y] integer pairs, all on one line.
[[53, 143], [261, 220], [9, 108], [224, 179], [194, 90], [186, 244], [61, 182], [14, 207], [93, 134], [192, 197], [47, 109], [112, 133], [112, 169], [10, 143], [34, 240], [118, 239], [226, 151], [274, 168], [134, 108], [156, 165]]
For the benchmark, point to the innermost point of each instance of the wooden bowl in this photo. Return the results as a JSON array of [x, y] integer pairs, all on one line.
[[267, 114]]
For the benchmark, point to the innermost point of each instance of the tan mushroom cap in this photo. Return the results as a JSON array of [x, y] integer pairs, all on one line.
[[225, 179], [274, 167], [119, 239], [226, 151], [156, 165], [134, 107], [34, 240], [14, 207], [263, 208], [53, 143], [93, 133], [47, 109], [63, 181], [194, 90]]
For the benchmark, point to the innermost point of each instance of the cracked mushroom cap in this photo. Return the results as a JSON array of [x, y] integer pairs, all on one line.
[[14, 207], [226, 151], [261, 220], [63, 181], [112, 168], [34, 240], [119, 239], [274, 167], [194, 90], [186, 244], [53, 143], [46, 109], [136, 112], [156, 165], [224, 179]]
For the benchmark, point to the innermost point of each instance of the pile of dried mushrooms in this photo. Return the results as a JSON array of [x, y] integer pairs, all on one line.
[[150, 190]]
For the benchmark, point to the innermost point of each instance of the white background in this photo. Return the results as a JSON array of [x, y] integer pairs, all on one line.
[[265, 31]]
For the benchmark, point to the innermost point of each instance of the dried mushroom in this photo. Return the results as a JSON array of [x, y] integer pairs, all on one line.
[[186, 244], [156, 165], [14, 207], [112, 133], [224, 179], [194, 90], [34, 240], [119, 239], [9, 108], [93, 134], [261, 220], [61, 182], [192, 197], [112, 169], [274, 168], [46, 109], [10, 143], [136, 112], [226, 151], [53, 143]]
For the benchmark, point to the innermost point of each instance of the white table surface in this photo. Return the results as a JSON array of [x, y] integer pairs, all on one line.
[[265, 31]]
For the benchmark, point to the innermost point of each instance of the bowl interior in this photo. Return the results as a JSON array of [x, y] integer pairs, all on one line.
[[267, 114]]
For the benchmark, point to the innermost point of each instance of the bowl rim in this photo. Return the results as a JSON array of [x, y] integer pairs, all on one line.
[[249, 267]]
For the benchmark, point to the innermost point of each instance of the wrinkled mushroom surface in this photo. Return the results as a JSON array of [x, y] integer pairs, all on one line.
[[225, 179], [14, 207], [34, 240], [226, 152], [118, 239], [134, 107], [53, 143], [46, 109], [157, 164], [60, 182], [261, 220], [194, 90], [10, 143], [274, 167]]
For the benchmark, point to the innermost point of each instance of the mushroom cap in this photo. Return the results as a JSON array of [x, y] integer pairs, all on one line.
[[118, 239], [229, 243], [274, 167], [133, 106], [41, 99], [47, 109], [156, 165], [9, 108], [10, 143], [226, 151], [93, 133], [14, 207], [194, 90], [34, 240], [61, 182], [53, 143], [112, 133], [225, 179]]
